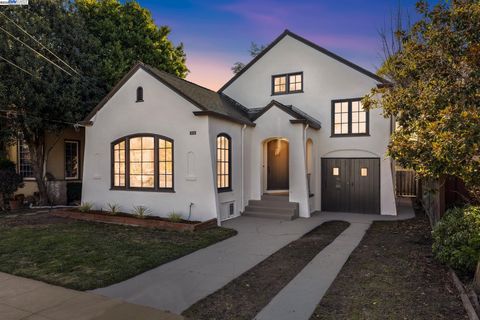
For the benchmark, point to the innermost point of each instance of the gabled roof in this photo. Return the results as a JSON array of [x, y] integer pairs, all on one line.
[[209, 102], [310, 44], [299, 115]]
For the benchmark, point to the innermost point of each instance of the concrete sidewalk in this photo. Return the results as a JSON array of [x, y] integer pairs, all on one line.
[[177, 285], [27, 299]]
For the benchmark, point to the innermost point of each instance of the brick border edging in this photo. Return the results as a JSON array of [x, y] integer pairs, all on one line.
[[133, 221]]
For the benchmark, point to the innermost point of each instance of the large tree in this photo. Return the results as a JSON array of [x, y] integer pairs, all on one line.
[[435, 93], [89, 45]]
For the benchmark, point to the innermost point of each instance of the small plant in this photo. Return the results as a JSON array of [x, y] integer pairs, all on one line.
[[456, 239], [141, 211], [113, 208], [175, 217], [85, 207]]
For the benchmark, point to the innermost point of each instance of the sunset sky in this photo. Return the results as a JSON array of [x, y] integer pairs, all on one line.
[[218, 33]]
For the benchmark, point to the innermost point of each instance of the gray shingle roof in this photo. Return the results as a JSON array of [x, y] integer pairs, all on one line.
[[208, 101], [298, 114]]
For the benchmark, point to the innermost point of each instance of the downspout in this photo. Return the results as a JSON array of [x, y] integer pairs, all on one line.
[[306, 164], [243, 165]]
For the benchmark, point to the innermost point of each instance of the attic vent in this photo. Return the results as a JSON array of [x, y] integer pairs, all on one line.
[[139, 94]]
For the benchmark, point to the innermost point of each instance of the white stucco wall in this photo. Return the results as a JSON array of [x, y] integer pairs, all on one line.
[[217, 126], [325, 79], [275, 123], [163, 112]]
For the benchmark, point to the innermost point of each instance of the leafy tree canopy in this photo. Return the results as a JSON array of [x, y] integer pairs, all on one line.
[[435, 93], [90, 45]]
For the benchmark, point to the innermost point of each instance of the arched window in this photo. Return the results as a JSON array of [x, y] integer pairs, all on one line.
[[143, 162], [224, 163], [139, 94]]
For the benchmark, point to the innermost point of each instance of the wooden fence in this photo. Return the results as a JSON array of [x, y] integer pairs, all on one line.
[[405, 183]]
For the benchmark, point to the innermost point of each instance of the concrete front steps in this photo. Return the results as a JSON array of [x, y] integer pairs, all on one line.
[[273, 207]]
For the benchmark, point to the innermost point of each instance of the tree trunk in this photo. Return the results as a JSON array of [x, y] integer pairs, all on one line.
[[37, 158], [476, 282]]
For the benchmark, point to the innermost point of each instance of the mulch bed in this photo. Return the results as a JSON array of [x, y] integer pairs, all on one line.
[[393, 275], [131, 220], [245, 296]]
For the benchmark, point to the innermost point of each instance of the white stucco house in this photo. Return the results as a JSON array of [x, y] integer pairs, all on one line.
[[285, 137]]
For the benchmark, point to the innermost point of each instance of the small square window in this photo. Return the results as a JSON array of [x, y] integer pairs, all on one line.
[[336, 171], [287, 83], [363, 172]]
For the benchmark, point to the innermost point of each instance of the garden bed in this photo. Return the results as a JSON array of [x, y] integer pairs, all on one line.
[[130, 220], [392, 274], [245, 296]]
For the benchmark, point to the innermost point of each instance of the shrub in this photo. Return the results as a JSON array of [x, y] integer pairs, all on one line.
[[141, 211], [10, 181], [85, 207], [456, 238], [113, 208], [175, 217]]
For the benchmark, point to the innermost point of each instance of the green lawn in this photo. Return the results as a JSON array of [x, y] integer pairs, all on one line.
[[83, 255]]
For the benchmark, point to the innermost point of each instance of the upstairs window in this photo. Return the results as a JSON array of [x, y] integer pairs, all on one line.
[[143, 162], [139, 94], [224, 163], [287, 83], [349, 118]]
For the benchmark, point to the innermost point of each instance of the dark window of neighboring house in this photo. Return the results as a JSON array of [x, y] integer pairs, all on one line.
[[287, 83], [139, 94], [71, 159], [349, 118], [24, 161], [224, 162], [143, 162]]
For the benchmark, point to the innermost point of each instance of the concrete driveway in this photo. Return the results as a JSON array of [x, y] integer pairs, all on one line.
[[177, 285]]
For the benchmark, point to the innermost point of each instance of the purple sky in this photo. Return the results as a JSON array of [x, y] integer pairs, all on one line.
[[218, 33]]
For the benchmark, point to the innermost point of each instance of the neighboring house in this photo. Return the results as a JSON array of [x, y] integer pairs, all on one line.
[[286, 136], [63, 167]]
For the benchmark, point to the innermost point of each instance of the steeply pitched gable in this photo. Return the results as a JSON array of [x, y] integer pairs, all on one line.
[[312, 45]]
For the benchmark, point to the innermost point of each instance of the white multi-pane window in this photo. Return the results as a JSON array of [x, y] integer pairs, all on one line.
[[24, 164], [349, 118], [143, 162], [287, 83]]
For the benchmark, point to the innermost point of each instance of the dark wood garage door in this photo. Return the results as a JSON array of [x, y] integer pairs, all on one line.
[[351, 185]]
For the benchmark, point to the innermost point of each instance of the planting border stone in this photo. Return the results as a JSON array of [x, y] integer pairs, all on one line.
[[147, 222]]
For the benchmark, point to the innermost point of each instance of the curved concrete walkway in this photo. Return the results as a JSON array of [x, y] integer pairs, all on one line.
[[177, 285]]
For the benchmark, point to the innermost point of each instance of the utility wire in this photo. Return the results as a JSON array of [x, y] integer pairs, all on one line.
[[39, 43], [18, 67], [37, 117], [38, 53]]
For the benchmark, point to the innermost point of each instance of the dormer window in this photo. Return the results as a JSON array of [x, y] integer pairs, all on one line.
[[287, 83], [139, 94]]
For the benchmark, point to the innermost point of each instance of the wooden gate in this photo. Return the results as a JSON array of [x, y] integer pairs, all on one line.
[[405, 183]]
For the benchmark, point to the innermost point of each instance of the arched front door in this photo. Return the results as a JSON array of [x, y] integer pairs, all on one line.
[[277, 165]]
